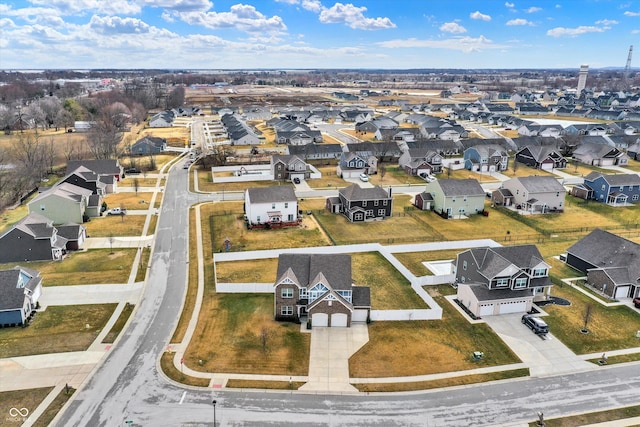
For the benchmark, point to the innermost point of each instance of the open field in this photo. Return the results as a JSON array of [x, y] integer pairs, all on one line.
[[428, 347], [389, 289], [81, 268], [58, 329], [30, 399], [116, 225], [227, 222]]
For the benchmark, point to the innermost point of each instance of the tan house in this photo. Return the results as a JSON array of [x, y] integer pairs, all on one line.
[[535, 194]]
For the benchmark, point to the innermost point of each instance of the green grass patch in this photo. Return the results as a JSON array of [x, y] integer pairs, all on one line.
[[143, 265], [94, 266], [54, 407], [592, 417], [441, 383], [389, 289], [266, 385], [119, 324], [169, 369], [58, 329], [428, 347], [610, 328], [621, 358], [30, 399]]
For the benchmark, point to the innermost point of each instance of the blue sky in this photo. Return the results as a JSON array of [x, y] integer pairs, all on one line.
[[286, 34]]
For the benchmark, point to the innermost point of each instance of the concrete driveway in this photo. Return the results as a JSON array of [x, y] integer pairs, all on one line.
[[544, 356]]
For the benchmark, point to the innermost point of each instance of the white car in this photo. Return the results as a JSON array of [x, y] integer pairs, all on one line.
[[364, 177]]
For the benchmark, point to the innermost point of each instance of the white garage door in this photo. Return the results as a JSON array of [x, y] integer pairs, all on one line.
[[359, 316], [486, 309], [338, 320], [320, 319], [622, 292], [513, 307], [547, 166]]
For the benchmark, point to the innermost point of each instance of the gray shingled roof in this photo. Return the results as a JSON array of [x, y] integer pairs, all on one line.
[[607, 250], [491, 261], [460, 187], [541, 184], [355, 192], [335, 267], [12, 297], [101, 167], [483, 293], [616, 180], [278, 193]]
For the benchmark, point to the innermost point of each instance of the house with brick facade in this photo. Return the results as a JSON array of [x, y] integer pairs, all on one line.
[[320, 288]]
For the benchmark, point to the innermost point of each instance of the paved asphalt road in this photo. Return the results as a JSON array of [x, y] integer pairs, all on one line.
[[127, 386]]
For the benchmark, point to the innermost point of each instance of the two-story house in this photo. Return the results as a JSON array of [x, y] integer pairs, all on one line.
[[544, 157], [610, 262], [600, 155], [62, 203], [486, 158], [420, 162], [109, 171], [271, 207], [33, 238], [456, 197], [534, 194], [362, 204], [501, 280], [351, 165], [287, 167], [20, 289], [320, 287], [613, 190]]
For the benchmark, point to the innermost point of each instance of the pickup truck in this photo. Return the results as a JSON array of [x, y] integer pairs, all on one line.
[[117, 211]]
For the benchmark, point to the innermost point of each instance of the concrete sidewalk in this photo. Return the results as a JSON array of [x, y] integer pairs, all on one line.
[[118, 242]]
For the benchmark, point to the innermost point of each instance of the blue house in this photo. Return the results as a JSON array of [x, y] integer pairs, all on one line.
[[20, 289], [486, 158], [613, 189]]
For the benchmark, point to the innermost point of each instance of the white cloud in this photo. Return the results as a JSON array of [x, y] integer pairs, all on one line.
[[110, 25], [519, 21], [607, 22], [533, 9], [464, 44], [71, 7], [629, 13], [480, 16], [179, 5], [312, 5], [573, 32], [452, 27], [510, 5], [632, 31], [558, 6], [288, 1], [353, 17], [240, 16]]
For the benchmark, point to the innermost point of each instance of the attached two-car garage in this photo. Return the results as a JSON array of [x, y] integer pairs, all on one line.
[[338, 320]]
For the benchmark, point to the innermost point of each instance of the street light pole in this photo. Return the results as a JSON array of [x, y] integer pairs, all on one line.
[[214, 412]]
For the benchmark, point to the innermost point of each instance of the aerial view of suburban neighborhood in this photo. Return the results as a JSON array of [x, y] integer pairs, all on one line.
[[361, 240]]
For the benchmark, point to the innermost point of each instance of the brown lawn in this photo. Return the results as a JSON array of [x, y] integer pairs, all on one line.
[[115, 225], [413, 260], [248, 271], [129, 200]]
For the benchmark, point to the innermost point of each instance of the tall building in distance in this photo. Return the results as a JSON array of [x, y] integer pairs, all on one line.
[[582, 78]]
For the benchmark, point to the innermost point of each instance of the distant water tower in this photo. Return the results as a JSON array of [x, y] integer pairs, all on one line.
[[582, 79]]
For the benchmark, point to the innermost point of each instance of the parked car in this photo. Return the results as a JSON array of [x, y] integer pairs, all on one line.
[[117, 211], [186, 164], [296, 180], [364, 177], [536, 324], [132, 171], [636, 302]]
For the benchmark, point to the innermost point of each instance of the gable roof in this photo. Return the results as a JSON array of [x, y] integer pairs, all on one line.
[[491, 261], [101, 167], [277, 193], [607, 250], [11, 295], [540, 184], [355, 192], [615, 179], [336, 268], [460, 187]]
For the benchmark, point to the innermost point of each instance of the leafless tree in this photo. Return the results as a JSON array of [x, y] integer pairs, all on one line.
[[136, 185]]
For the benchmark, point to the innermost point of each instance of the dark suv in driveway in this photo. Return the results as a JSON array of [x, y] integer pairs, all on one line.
[[636, 302], [536, 324]]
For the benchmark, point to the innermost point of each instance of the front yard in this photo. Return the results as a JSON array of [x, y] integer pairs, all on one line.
[[58, 329], [81, 268], [116, 225], [429, 346]]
